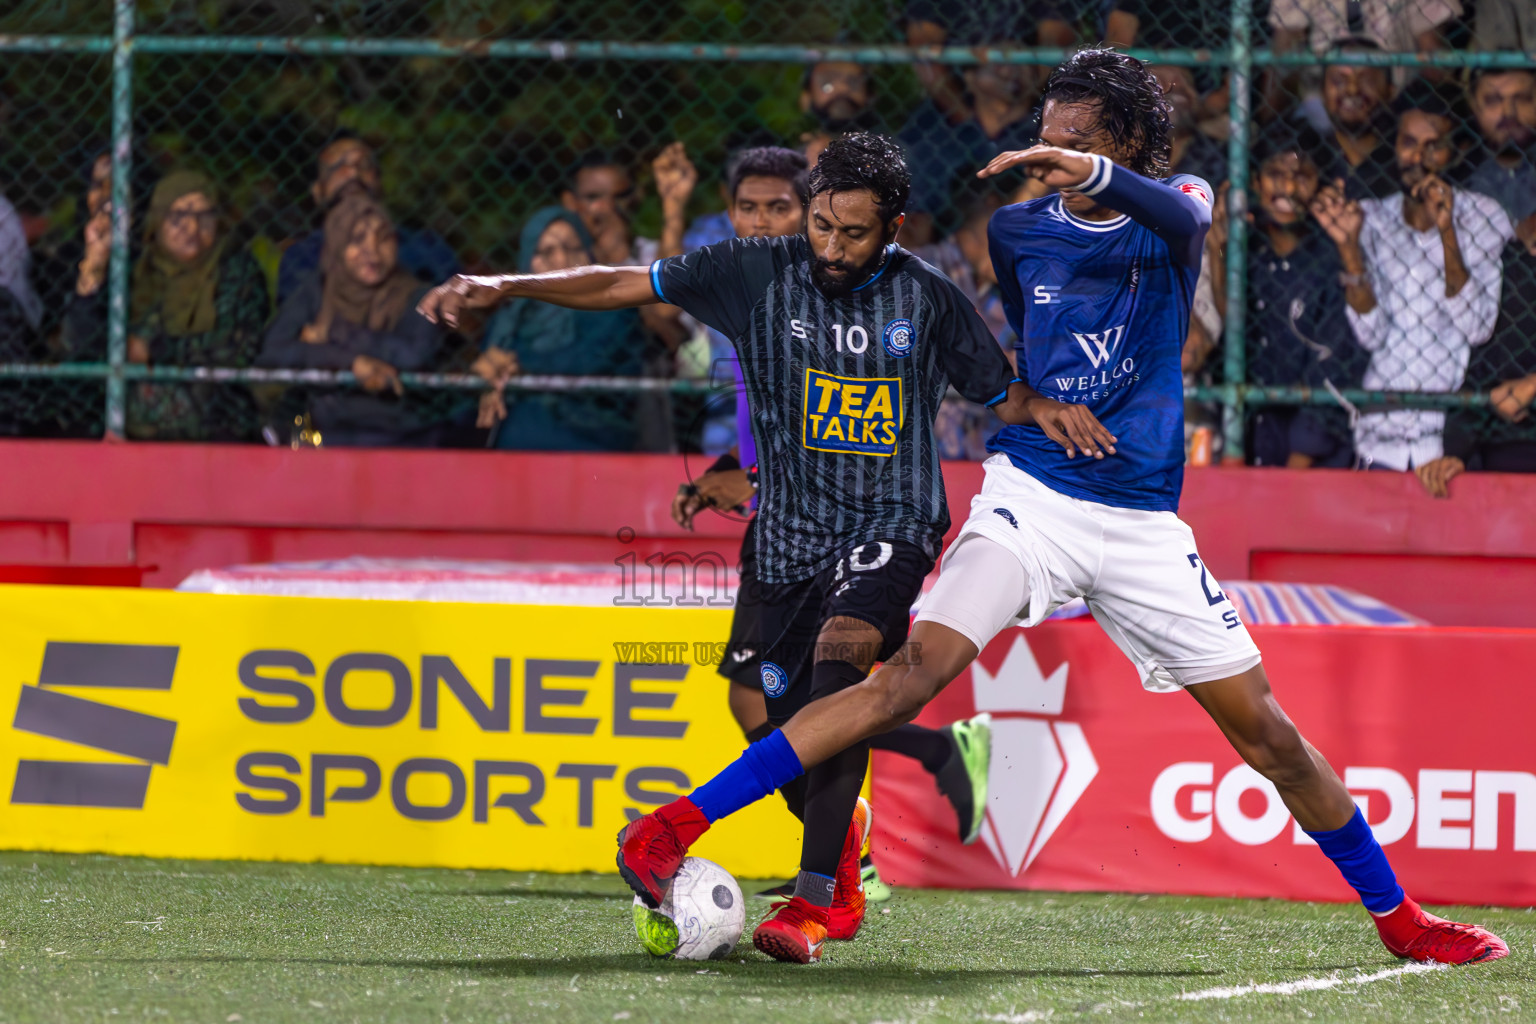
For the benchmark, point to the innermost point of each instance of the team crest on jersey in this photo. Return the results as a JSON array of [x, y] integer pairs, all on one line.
[[775, 680], [854, 415], [1189, 188], [898, 338]]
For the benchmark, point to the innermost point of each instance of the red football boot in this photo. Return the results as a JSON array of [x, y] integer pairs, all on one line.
[[792, 932], [1412, 934], [652, 847], [847, 912]]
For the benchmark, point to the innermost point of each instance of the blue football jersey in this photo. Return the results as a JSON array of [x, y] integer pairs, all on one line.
[[1101, 311]]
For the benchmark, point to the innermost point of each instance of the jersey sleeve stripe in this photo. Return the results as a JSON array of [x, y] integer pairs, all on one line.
[[1004, 393], [656, 281]]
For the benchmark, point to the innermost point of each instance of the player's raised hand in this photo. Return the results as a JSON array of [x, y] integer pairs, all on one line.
[[448, 301], [1054, 167], [1073, 427]]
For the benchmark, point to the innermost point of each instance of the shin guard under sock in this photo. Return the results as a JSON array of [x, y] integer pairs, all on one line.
[[1359, 858], [762, 768], [792, 791], [832, 787]]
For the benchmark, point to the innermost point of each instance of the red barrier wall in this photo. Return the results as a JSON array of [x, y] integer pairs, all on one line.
[[1469, 560], [1098, 785]]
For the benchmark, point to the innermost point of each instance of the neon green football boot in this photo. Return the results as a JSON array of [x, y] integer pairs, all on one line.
[[963, 779]]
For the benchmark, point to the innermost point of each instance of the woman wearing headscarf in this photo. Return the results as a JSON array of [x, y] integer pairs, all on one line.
[[21, 314], [196, 300], [21, 311], [538, 338], [359, 314]]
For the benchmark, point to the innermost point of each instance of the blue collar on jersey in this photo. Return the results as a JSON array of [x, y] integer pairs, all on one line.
[[890, 251]]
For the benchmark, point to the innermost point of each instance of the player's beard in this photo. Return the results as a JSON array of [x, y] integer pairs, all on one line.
[[838, 286]]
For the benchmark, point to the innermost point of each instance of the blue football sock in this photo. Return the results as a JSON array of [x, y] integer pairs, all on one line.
[[1359, 858], [762, 768]]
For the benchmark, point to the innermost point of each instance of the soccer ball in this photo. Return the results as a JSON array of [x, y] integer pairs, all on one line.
[[701, 917]]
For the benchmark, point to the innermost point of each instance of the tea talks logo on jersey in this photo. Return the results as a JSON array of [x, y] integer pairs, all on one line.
[[1040, 766]]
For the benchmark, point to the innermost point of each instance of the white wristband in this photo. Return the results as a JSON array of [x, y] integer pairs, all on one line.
[[1098, 177]]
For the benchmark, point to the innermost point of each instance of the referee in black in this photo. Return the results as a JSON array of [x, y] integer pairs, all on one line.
[[847, 345]]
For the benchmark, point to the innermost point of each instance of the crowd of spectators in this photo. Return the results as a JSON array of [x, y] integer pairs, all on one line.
[[1391, 246]]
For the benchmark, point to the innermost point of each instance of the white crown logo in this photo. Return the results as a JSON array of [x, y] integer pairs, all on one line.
[[1039, 768]]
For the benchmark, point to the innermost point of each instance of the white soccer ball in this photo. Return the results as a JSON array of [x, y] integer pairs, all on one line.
[[700, 919]]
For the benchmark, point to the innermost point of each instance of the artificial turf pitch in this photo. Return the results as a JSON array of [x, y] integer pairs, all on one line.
[[87, 938]]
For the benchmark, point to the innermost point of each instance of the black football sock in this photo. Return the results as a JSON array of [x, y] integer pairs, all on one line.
[[930, 747], [793, 791], [832, 787], [832, 790]]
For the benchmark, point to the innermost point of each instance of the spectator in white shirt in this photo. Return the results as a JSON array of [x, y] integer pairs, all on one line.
[[1422, 275]]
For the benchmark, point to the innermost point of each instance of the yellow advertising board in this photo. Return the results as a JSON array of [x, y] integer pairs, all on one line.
[[379, 732]]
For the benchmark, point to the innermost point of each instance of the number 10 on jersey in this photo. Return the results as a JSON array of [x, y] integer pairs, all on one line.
[[856, 338]]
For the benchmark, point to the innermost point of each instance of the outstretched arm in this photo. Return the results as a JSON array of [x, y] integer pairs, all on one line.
[[1180, 216], [591, 287]]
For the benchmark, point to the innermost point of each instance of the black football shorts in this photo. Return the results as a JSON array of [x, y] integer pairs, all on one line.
[[876, 581]]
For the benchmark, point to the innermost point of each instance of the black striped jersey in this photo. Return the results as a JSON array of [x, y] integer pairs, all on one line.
[[843, 392]]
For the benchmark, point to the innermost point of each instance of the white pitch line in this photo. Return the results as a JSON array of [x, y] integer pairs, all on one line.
[[1287, 988]]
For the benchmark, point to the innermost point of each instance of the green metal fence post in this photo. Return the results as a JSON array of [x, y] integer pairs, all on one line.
[[1234, 364], [122, 161]]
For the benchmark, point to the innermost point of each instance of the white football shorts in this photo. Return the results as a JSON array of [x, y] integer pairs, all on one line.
[[1139, 573]]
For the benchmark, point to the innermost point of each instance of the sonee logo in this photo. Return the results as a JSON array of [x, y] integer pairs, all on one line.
[[45, 711], [1008, 516], [775, 679], [1040, 766]]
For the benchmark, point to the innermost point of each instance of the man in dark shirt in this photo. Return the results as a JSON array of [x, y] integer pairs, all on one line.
[[1194, 152], [943, 151], [1359, 149], [346, 163], [1501, 437], [983, 23], [1297, 332], [837, 97], [1504, 103], [847, 345]]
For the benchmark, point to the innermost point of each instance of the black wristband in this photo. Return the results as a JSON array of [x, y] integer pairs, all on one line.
[[752, 476], [723, 463]]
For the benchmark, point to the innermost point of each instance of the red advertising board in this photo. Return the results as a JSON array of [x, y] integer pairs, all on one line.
[[1099, 785]]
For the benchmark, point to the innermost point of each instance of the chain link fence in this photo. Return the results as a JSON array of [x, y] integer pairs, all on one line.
[[1368, 296]]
